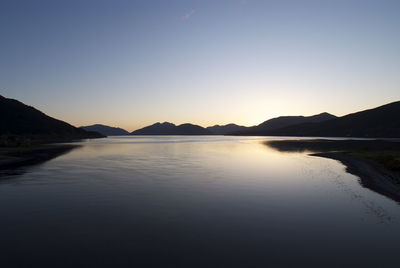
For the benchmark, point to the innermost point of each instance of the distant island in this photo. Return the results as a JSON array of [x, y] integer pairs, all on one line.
[[106, 130]]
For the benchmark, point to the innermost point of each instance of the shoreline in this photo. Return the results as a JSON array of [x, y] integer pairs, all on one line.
[[375, 162], [371, 174], [14, 158]]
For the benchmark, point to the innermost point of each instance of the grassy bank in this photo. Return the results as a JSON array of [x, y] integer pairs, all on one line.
[[388, 159]]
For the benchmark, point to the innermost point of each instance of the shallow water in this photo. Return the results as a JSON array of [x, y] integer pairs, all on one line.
[[193, 202]]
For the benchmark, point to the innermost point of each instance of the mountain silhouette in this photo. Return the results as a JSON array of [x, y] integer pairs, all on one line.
[[283, 121], [106, 130], [226, 129], [380, 122], [167, 128], [19, 120]]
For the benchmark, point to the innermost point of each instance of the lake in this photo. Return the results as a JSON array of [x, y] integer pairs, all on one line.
[[193, 201]]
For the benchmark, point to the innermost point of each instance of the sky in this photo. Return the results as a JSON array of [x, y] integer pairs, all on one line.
[[133, 63]]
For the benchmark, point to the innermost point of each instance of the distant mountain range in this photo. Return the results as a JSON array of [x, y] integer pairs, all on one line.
[[380, 122], [167, 128], [106, 130], [226, 129], [383, 121], [282, 122], [20, 123]]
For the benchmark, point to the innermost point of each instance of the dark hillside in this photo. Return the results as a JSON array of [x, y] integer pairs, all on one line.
[[20, 123], [106, 130], [167, 128], [380, 122], [284, 121]]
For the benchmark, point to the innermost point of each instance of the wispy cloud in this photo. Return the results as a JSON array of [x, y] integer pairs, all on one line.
[[188, 15]]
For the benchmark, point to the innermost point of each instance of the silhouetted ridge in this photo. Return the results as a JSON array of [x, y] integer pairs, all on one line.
[[106, 130], [383, 121], [19, 120], [284, 121], [167, 128], [226, 129]]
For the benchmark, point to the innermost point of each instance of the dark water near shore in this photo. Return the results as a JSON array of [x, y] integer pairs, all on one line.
[[193, 202]]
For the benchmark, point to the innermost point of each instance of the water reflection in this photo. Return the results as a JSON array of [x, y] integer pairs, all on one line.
[[371, 175], [26, 158], [193, 202]]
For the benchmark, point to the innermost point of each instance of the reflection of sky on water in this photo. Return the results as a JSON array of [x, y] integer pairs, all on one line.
[[225, 190]]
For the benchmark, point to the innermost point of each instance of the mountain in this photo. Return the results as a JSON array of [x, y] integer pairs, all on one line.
[[226, 129], [380, 122], [22, 122], [167, 128], [284, 121], [106, 130]]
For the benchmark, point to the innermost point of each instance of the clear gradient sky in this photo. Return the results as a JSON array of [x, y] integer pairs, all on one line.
[[133, 63]]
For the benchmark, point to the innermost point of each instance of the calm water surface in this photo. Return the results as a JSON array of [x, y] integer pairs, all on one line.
[[193, 202]]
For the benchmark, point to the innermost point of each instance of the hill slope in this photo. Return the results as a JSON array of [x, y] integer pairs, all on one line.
[[18, 121], [167, 128], [284, 121], [226, 129], [106, 130], [380, 122]]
